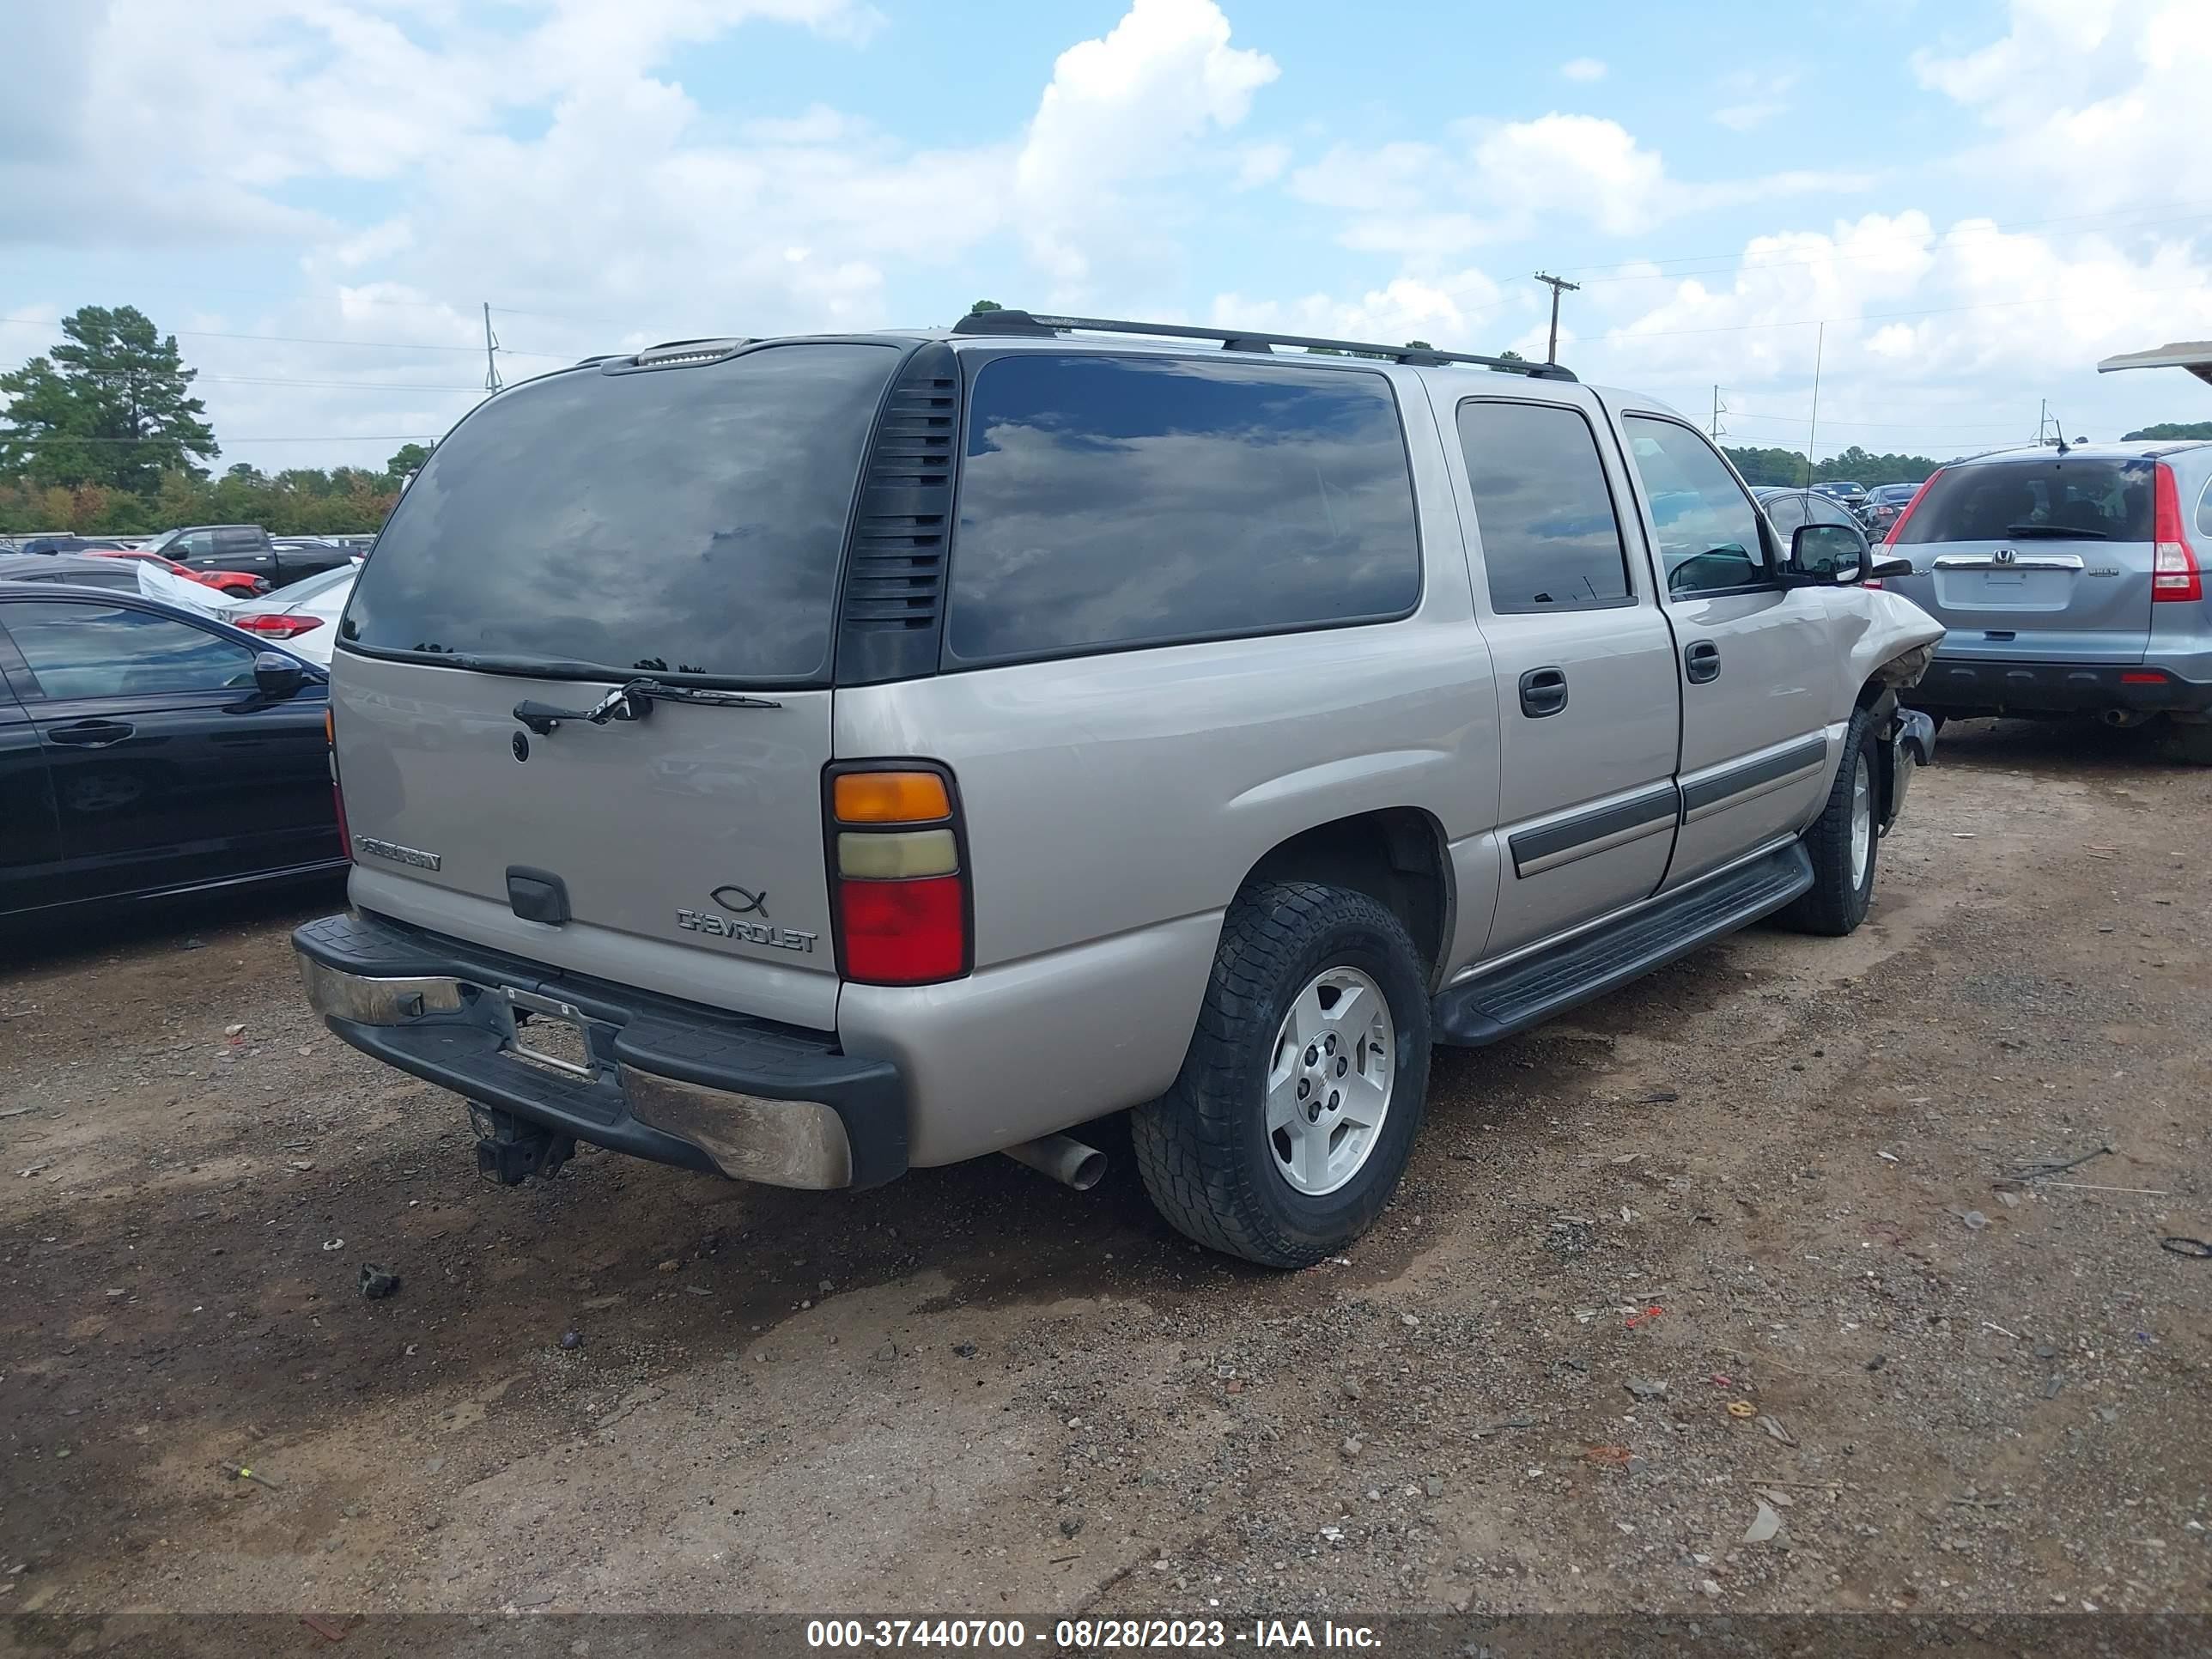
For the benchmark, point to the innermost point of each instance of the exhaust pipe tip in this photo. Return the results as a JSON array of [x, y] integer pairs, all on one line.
[[1066, 1160], [2124, 717]]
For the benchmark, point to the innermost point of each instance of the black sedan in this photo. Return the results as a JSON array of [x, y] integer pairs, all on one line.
[[146, 750]]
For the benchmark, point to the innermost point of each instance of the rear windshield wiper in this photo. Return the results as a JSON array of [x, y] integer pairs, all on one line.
[[2056, 533], [632, 701]]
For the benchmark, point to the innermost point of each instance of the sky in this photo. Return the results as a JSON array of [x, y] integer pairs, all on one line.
[[1959, 207]]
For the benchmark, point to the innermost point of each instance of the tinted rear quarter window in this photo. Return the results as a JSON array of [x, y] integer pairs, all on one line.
[[682, 521], [2085, 498], [1111, 502], [1551, 539]]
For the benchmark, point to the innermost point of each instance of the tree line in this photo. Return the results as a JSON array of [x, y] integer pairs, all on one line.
[[102, 435], [1855, 465]]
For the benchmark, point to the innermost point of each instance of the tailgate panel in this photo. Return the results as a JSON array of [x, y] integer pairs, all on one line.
[[690, 842]]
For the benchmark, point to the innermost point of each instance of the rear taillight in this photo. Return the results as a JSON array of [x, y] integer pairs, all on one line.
[[1912, 506], [276, 624], [2174, 572], [901, 886], [337, 792]]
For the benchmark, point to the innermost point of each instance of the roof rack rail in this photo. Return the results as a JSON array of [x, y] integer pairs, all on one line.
[[1035, 324]]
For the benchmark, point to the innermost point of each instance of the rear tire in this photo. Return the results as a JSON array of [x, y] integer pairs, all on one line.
[[1257, 1151], [1844, 841]]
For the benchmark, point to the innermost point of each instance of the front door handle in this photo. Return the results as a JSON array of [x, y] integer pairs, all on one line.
[[1702, 662], [90, 734], [1543, 692]]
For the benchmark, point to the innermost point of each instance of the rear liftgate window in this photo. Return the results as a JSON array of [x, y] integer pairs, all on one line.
[[1110, 503], [675, 521], [2086, 499]]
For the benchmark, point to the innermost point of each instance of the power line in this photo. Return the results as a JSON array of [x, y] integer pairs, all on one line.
[[1902, 426], [300, 339]]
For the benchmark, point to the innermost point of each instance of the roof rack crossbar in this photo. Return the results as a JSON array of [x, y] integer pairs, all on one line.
[[1033, 325]]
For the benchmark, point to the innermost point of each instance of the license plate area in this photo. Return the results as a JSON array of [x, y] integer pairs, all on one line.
[[543, 1031], [2004, 590]]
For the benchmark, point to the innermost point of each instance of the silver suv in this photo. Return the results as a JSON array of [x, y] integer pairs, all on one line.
[[2069, 579], [807, 759]]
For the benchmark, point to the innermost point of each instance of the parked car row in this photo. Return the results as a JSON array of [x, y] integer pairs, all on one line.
[[236, 558]]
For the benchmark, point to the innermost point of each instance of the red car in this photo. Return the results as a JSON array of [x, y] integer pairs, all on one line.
[[228, 581]]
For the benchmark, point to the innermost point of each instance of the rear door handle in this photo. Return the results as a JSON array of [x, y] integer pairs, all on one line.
[[1702, 662], [90, 734], [1543, 692]]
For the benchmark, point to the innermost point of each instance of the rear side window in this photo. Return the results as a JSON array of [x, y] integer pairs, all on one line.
[[1109, 502], [1551, 540], [678, 521], [2204, 510], [2062, 498]]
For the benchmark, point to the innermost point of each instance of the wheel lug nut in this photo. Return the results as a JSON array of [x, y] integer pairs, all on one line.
[[1305, 1087], [1313, 1056], [1342, 1064], [1329, 1043], [1333, 1099]]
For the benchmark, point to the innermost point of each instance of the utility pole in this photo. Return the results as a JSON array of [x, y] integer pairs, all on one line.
[[1556, 283], [1819, 344], [1716, 431], [491, 348]]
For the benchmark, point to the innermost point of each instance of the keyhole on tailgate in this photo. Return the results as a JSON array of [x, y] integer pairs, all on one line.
[[521, 745]]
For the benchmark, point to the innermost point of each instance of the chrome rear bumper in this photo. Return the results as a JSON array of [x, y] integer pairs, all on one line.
[[648, 1076]]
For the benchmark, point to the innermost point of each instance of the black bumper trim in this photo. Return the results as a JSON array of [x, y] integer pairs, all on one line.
[[663, 1036], [1954, 684]]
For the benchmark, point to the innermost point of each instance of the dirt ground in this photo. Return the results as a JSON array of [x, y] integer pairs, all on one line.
[[1742, 1250]]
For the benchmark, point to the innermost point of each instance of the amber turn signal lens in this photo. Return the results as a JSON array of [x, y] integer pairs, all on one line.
[[891, 798]]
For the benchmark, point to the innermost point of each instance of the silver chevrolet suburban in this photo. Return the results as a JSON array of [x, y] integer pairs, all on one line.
[[804, 759]]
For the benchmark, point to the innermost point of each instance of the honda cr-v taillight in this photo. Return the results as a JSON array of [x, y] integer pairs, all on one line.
[[897, 860], [2173, 570]]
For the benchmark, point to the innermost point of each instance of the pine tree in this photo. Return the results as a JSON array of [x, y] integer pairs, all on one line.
[[112, 405]]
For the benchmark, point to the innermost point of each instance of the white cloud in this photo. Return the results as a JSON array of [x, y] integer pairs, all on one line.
[[1759, 96], [1583, 69], [544, 155], [2097, 95], [1123, 109], [1443, 311], [1500, 181], [1980, 307], [1261, 164]]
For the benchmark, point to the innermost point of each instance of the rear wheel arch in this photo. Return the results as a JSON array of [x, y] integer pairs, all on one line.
[[1396, 856]]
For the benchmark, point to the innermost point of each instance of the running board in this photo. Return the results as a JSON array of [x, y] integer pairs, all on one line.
[[1496, 1005]]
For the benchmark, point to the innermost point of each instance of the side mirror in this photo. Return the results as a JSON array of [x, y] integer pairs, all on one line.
[[1827, 555], [276, 675]]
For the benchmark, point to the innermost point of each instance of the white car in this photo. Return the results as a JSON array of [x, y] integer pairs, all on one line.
[[303, 618]]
